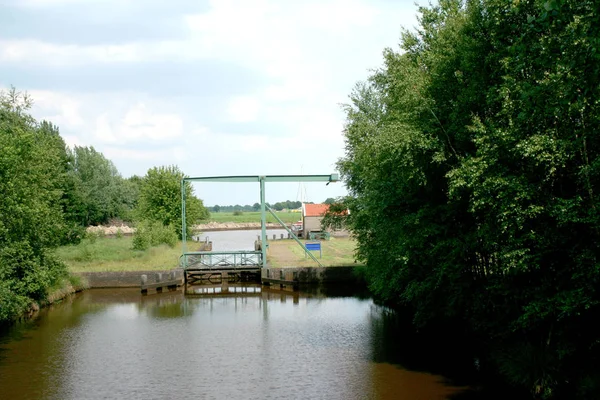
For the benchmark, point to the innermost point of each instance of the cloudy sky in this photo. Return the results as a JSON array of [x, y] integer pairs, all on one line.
[[224, 87]]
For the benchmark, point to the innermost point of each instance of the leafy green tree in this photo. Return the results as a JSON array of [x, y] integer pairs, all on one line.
[[160, 199], [329, 200], [99, 185], [48, 136], [31, 215], [472, 166]]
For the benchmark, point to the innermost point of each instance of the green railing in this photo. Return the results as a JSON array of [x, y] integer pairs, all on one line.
[[222, 259]]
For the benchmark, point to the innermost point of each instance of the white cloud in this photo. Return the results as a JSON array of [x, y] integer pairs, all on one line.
[[50, 3], [153, 156], [40, 53], [244, 109], [138, 124], [108, 117], [73, 140], [308, 55], [60, 108]]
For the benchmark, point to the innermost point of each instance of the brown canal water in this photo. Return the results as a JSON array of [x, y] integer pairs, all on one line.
[[262, 344]]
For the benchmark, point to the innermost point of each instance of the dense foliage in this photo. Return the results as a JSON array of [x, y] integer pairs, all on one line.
[[50, 194], [472, 162], [160, 199], [154, 233], [32, 179], [100, 193]]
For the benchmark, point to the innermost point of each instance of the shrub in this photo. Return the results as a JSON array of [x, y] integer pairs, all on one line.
[[153, 234], [92, 236], [237, 212]]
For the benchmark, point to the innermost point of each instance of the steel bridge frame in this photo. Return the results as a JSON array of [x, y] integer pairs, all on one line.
[[261, 179]]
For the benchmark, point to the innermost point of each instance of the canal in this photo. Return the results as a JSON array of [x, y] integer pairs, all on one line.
[[260, 344]]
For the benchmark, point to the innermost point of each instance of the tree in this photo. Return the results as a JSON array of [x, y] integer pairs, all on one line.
[[216, 208], [160, 199], [102, 192], [329, 200], [256, 207], [472, 166], [48, 136], [31, 218]]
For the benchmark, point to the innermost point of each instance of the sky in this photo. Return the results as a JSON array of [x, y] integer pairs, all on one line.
[[224, 87]]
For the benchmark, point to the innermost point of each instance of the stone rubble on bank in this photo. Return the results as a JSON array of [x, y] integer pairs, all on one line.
[[211, 226], [111, 230]]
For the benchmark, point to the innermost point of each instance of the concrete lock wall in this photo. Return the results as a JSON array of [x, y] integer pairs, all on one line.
[[312, 274], [123, 279]]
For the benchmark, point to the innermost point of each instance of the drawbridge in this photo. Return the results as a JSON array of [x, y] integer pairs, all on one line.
[[235, 266]]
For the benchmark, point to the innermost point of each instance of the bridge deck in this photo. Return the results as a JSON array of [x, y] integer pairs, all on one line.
[[234, 266]]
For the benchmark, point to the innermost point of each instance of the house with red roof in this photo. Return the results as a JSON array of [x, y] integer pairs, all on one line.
[[312, 214]]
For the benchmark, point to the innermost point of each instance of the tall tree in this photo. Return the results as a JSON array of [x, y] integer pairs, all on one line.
[[103, 193], [472, 164], [31, 218], [160, 199]]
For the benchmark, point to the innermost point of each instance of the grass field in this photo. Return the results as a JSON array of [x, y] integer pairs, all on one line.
[[116, 254], [287, 253], [222, 217]]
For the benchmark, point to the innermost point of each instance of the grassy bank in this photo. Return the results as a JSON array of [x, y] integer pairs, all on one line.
[[222, 217], [336, 252], [116, 254]]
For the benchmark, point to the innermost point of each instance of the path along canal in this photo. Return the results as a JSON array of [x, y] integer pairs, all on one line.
[[117, 344]]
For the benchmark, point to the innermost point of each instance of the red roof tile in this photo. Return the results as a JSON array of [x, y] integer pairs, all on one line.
[[315, 210]]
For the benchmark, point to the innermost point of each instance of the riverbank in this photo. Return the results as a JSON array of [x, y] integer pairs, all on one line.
[[338, 251], [67, 286], [116, 254], [221, 221], [125, 230]]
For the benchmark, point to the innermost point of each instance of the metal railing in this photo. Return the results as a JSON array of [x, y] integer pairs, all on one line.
[[222, 259]]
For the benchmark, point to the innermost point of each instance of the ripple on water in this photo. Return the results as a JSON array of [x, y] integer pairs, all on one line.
[[123, 345]]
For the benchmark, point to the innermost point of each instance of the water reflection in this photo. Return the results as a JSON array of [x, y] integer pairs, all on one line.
[[245, 342]]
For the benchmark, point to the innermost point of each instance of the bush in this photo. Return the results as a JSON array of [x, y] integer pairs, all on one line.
[[237, 212], [25, 277], [92, 236], [141, 240], [153, 234], [12, 303]]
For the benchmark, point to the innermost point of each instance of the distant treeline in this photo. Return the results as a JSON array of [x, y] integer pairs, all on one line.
[[281, 205]]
